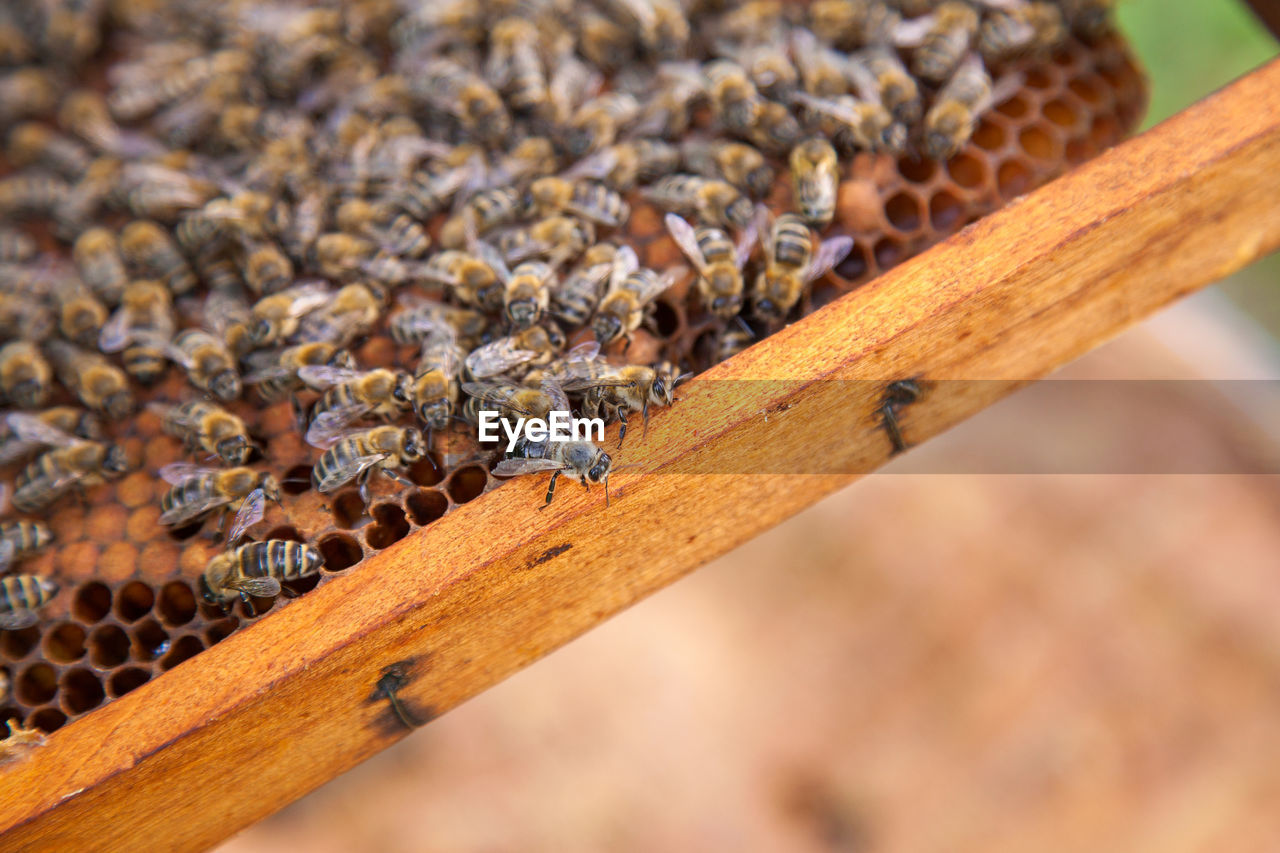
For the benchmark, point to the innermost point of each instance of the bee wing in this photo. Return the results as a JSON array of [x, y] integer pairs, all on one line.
[[327, 427], [258, 587], [191, 510], [497, 357], [346, 473], [179, 472], [686, 238], [252, 509], [16, 620], [830, 253], [516, 467], [493, 258], [747, 241], [321, 377], [911, 32], [114, 335], [27, 427]]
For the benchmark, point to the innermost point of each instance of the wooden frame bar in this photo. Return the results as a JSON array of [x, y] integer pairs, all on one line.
[[275, 710]]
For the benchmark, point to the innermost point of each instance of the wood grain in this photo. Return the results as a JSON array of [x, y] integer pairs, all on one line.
[[276, 710]]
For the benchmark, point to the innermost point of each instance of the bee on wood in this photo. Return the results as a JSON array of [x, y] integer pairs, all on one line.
[[71, 463], [97, 256], [276, 373], [815, 178], [349, 395], [712, 201], [25, 375], [258, 569], [791, 265], [940, 39], [207, 426], [358, 455], [198, 491], [950, 122], [20, 539], [581, 460], [20, 597], [717, 260], [24, 433], [101, 386], [151, 253], [531, 347], [631, 292], [734, 162]]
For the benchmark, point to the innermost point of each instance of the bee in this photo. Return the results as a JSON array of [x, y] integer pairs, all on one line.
[[1021, 26], [532, 347], [394, 231], [879, 75], [20, 597], [815, 178], [15, 246], [97, 257], [258, 569], [472, 281], [776, 131], [615, 392], [849, 24], [955, 112], [631, 291], [349, 395], [33, 144], [276, 373], [735, 101], [627, 163], [348, 315], [435, 380], [19, 539], [591, 201], [514, 65], [32, 194], [25, 375], [358, 455], [714, 202], [598, 122], [73, 463], [453, 89], [151, 252], [266, 268], [574, 299], [855, 124], [940, 39], [579, 459], [482, 212], [276, 317], [24, 433], [81, 315], [791, 264], [558, 238], [27, 92], [197, 491], [718, 261], [734, 162], [207, 426], [1088, 18], [419, 319], [210, 366]]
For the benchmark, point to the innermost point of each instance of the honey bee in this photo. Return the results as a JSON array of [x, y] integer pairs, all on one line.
[[950, 122], [210, 366], [472, 281], [26, 93], [258, 569], [717, 260], [394, 231], [514, 65], [454, 89], [849, 24], [591, 201], [358, 455], [20, 597], [615, 392], [482, 212], [206, 426], [25, 433], [1020, 26], [276, 317], [1088, 18], [19, 539], [15, 246], [597, 123], [734, 162], [349, 395], [435, 380], [33, 144], [348, 315], [276, 373], [97, 257], [574, 299], [578, 459], [267, 269], [25, 375], [81, 315], [149, 250], [532, 347], [557, 238], [32, 194], [791, 264], [419, 320], [714, 202], [940, 39], [73, 463], [197, 491], [632, 289], [815, 177], [735, 101]]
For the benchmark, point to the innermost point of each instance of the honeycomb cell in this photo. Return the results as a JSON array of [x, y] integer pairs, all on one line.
[[903, 211], [348, 508], [134, 600], [65, 643], [967, 171], [17, 644], [127, 679], [177, 603], [1039, 143], [47, 720], [340, 552], [92, 602], [108, 646], [81, 691], [426, 506], [36, 684], [389, 527], [150, 640], [184, 648]]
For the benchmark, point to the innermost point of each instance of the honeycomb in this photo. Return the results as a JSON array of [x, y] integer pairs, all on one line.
[[128, 609]]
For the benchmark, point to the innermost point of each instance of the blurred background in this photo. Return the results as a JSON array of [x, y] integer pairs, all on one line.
[[923, 661]]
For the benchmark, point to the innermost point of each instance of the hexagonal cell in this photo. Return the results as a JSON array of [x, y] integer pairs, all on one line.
[[388, 528], [967, 171], [65, 643], [903, 210], [92, 602], [149, 640], [47, 720], [348, 508], [340, 552], [467, 483], [1037, 141], [177, 603], [127, 679], [17, 644], [426, 506], [184, 648], [134, 600], [36, 684], [81, 691], [108, 646]]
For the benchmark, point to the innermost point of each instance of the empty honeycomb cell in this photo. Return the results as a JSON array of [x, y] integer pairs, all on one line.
[[388, 528], [47, 720], [348, 508], [127, 679], [903, 211], [854, 265], [184, 648], [426, 506], [967, 170], [1013, 178], [108, 646], [219, 631], [888, 252], [92, 602], [81, 691], [1015, 107], [918, 170], [177, 603], [340, 552], [1037, 141], [426, 472], [65, 643], [17, 644], [36, 684], [989, 136], [1060, 113], [665, 318], [149, 640], [134, 600], [467, 483]]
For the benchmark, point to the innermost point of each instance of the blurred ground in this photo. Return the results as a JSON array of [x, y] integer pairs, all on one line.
[[919, 663]]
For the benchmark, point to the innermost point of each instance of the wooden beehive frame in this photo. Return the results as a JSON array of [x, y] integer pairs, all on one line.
[[276, 710]]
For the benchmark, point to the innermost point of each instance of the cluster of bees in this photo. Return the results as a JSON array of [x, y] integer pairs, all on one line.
[[264, 185]]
